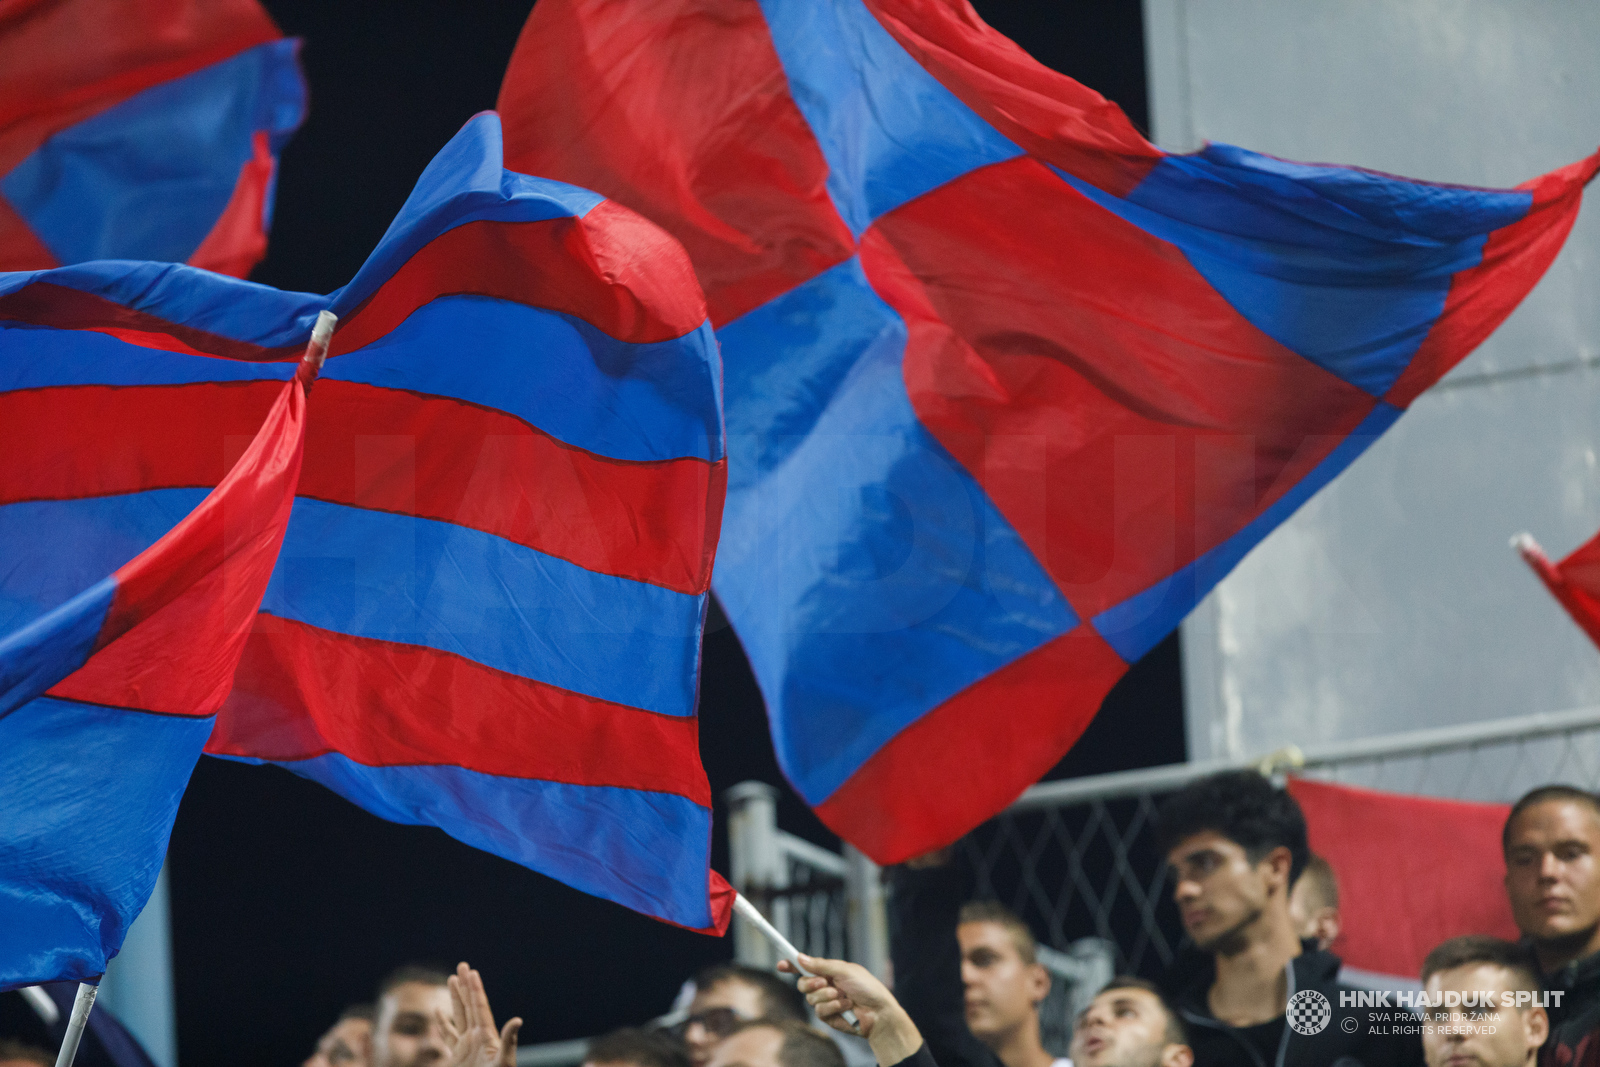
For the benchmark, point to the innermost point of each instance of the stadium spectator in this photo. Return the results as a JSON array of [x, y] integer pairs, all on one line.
[[428, 1018], [1314, 903], [1551, 840], [1235, 844], [1482, 1032], [16, 1054], [633, 1047], [771, 1043], [1130, 1024], [348, 1042], [728, 994], [968, 974]]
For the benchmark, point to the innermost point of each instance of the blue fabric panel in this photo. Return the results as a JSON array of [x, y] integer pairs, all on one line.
[[1348, 268], [862, 551], [76, 868], [631, 402], [159, 167], [888, 129], [421, 582], [645, 850], [46, 650], [1138, 624]]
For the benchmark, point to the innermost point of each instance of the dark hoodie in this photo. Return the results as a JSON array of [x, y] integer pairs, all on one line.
[[1575, 1026], [1352, 1037]]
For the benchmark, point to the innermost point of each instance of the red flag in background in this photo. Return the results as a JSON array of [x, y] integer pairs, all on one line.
[[1412, 871], [1575, 581]]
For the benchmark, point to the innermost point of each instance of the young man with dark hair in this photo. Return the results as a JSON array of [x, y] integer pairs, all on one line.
[[1551, 841], [1314, 903], [634, 1047], [726, 995], [1482, 1030], [1235, 844], [423, 1013], [348, 1042], [774, 1043], [1130, 1023], [968, 974]]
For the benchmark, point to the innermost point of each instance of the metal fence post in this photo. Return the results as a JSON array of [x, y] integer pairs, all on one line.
[[868, 921], [756, 860]]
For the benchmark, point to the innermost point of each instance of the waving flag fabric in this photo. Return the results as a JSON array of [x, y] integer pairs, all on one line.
[[146, 130], [1575, 581], [487, 612], [1008, 388], [108, 690]]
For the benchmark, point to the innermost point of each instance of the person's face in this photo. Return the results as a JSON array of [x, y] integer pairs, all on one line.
[[758, 1046], [1220, 893], [1002, 991], [407, 1031], [345, 1045], [714, 1012], [1481, 1037], [1311, 917], [1126, 1028], [1551, 874]]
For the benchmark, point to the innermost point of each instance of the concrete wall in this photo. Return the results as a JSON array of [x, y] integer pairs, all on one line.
[[1391, 601]]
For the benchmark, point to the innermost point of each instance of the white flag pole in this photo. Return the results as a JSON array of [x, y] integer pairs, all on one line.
[[786, 950], [76, 1022]]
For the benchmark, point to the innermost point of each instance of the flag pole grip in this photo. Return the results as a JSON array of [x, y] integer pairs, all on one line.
[[81, 1004], [786, 950]]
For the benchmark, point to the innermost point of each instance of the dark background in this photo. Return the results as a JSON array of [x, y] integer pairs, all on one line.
[[287, 901]]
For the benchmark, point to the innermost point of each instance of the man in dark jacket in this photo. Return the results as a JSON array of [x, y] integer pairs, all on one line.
[[1552, 849], [1253, 994]]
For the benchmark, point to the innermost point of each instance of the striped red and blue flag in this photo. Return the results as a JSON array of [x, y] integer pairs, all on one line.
[[109, 687], [486, 615], [145, 131], [1008, 387]]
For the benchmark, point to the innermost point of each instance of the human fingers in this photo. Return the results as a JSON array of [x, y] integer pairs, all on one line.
[[812, 983], [458, 1002], [480, 996], [508, 1043]]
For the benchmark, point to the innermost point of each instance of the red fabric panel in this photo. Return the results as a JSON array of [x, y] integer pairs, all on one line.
[[919, 791], [183, 607], [1412, 871], [62, 61], [20, 247], [1047, 114], [1574, 582], [682, 112], [459, 713], [1122, 416], [238, 240], [582, 267], [65, 308], [384, 449], [1514, 259]]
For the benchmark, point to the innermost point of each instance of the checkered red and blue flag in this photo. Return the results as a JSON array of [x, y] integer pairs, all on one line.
[[146, 130], [1008, 388], [486, 613]]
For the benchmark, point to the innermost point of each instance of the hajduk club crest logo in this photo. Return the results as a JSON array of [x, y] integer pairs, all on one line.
[[1308, 1012]]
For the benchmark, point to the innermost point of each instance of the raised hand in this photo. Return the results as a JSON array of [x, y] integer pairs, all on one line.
[[834, 987], [469, 1032]]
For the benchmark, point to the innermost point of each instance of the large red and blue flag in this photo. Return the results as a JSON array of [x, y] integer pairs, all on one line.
[[109, 687], [1008, 388], [142, 130], [486, 614]]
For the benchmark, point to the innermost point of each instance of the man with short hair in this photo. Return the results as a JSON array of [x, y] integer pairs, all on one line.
[[1235, 844], [413, 1000], [1551, 841], [1130, 1024], [634, 1047], [1314, 903], [728, 994], [1483, 1029], [968, 974], [774, 1043], [348, 1042]]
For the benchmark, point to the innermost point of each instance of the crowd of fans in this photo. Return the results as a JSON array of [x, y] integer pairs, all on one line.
[[1260, 913]]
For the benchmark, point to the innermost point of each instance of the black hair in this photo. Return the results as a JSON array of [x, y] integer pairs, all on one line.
[[411, 973], [802, 1046], [779, 999], [1242, 806], [1176, 1032], [1539, 796], [369, 1012], [1509, 956], [640, 1048]]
